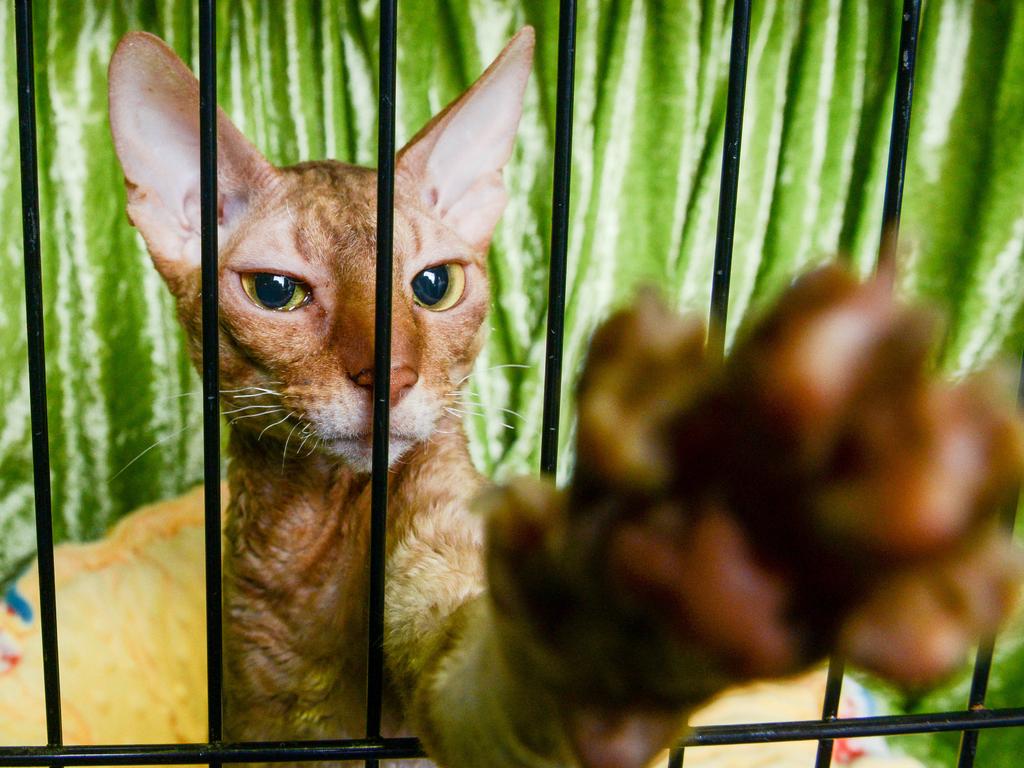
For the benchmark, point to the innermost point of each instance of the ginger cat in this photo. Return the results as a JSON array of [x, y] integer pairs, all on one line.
[[536, 626]]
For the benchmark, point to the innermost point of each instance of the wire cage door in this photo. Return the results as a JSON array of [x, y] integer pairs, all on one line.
[[374, 747]]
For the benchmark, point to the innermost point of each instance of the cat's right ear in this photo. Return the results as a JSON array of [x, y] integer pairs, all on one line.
[[154, 118]]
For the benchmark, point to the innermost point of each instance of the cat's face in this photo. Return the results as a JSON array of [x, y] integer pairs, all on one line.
[[298, 253]]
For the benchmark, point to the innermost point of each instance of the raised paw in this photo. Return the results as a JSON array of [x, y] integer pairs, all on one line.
[[834, 493], [819, 489]]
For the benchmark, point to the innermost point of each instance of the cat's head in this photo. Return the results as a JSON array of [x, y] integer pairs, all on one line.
[[297, 252]]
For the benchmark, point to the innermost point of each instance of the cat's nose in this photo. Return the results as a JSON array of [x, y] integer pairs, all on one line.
[[403, 379]]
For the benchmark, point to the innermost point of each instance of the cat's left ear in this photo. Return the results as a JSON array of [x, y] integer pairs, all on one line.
[[457, 158]]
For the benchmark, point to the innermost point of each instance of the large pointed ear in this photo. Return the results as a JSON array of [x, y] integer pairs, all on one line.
[[154, 117], [457, 158]]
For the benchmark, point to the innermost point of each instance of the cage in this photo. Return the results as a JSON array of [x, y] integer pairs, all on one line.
[[970, 721]]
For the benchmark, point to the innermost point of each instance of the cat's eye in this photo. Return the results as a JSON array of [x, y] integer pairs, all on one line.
[[279, 293], [439, 288]]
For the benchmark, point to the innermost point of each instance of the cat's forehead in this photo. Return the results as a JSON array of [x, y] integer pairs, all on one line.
[[331, 212], [330, 205]]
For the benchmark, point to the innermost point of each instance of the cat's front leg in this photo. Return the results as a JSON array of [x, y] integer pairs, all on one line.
[[819, 490]]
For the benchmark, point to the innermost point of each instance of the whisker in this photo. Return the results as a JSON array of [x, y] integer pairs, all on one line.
[[459, 414], [456, 398], [255, 415], [250, 389], [284, 455], [455, 413], [165, 398], [287, 415], [250, 408], [492, 368], [465, 412], [161, 441]]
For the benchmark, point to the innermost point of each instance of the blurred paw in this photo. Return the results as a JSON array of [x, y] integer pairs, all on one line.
[[821, 487], [818, 489]]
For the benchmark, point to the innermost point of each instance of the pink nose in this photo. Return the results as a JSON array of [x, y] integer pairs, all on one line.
[[403, 378]]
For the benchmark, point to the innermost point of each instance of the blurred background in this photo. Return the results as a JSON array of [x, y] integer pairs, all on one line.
[[299, 78]]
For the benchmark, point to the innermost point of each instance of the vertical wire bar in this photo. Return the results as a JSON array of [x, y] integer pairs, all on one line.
[[830, 708], [381, 366], [676, 757], [986, 648], [730, 174], [37, 365], [976, 700], [211, 384], [559, 237], [892, 205], [900, 134]]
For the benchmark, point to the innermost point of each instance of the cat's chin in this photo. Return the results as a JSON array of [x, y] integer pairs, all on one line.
[[357, 452]]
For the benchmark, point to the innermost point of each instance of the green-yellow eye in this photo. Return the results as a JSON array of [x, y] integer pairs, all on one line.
[[439, 288], [279, 293]]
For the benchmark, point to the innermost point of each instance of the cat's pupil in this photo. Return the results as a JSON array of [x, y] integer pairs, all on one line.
[[273, 291], [431, 285]]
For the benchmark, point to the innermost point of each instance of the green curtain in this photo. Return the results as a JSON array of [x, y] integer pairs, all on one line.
[[299, 78]]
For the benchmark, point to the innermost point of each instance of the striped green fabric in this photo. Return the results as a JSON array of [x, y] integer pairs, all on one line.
[[299, 78]]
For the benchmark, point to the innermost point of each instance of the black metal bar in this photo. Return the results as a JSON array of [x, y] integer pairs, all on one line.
[[900, 134], [676, 757], [976, 700], [37, 364], [986, 648], [211, 361], [730, 174], [893, 201], [559, 237], [381, 366], [357, 749], [192, 754], [853, 727], [830, 708]]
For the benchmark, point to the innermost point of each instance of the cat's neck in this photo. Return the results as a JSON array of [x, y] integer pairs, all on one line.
[[296, 576], [314, 507]]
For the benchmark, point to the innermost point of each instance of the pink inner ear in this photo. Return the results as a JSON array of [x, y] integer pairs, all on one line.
[[477, 139], [459, 156], [475, 215], [154, 118]]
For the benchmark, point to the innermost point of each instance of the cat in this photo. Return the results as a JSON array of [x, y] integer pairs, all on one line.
[[527, 625]]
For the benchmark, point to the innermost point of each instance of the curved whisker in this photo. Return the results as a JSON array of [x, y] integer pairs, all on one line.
[[251, 408], [255, 415], [270, 426], [161, 441], [308, 435], [459, 414], [456, 398], [165, 398], [465, 412], [491, 368], [284, 454], [263, 390]]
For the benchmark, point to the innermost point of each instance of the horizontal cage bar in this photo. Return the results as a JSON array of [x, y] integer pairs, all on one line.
[[407, 748]]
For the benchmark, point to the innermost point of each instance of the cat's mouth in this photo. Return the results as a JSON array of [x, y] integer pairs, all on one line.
[[348, 434], [357, 449]]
